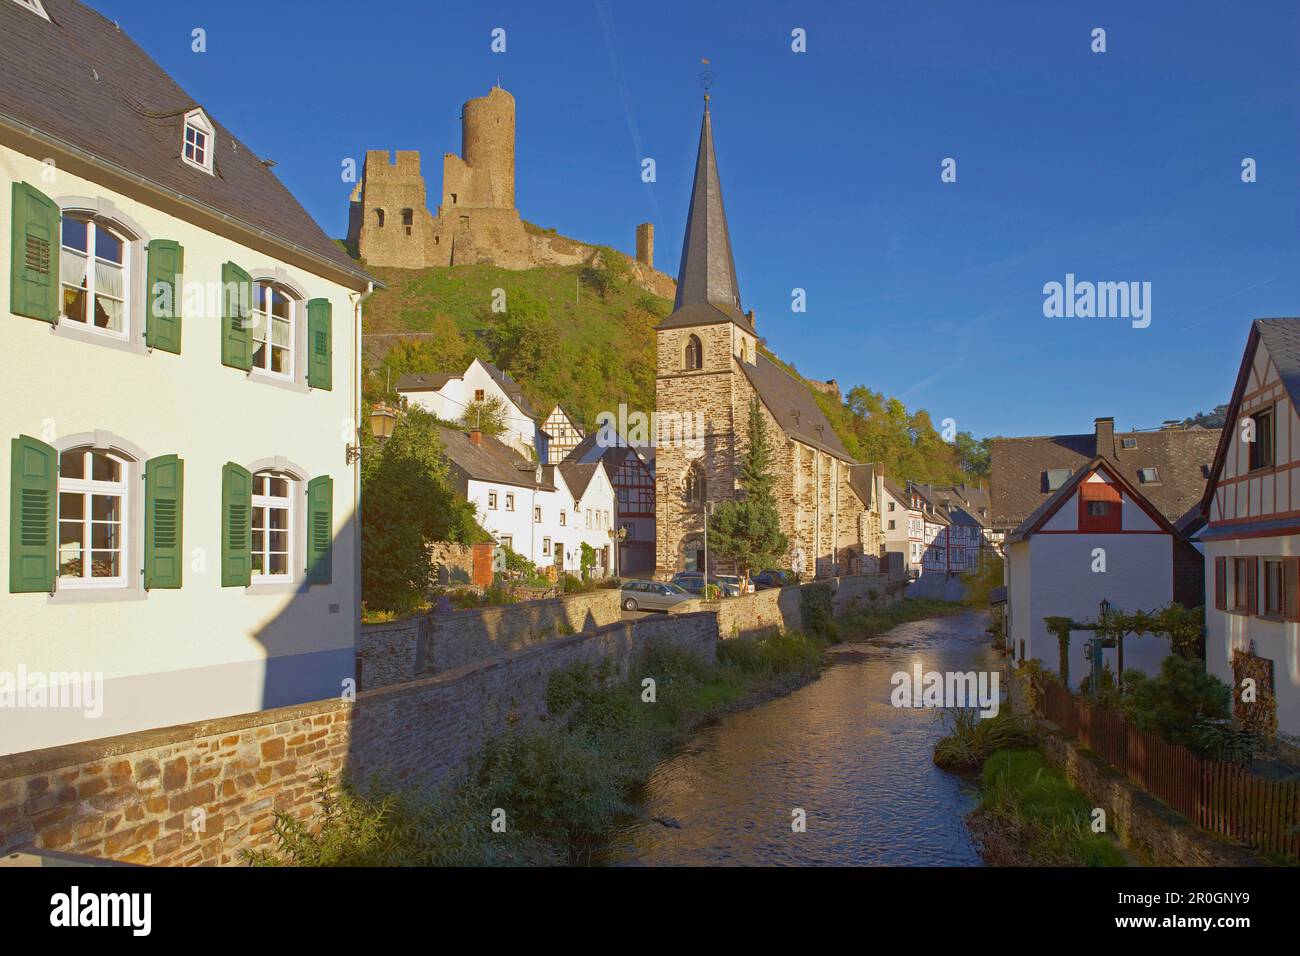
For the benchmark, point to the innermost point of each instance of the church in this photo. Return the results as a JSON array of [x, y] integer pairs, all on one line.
[[710, 365]]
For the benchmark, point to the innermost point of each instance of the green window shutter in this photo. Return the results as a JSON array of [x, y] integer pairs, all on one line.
[[320, 529], [320, 344], [164, 506], [236, 526], [34, 247], [162, 329], [33, 516], [236, 317]]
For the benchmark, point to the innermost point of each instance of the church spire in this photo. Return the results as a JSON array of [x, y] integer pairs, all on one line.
[[707, 273]]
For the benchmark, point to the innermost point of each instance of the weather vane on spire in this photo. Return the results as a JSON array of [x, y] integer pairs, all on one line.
[[707, 77]]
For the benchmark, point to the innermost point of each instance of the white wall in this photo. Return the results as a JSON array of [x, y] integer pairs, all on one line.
[[450, 401], [1061, 583], [201, 651], [1276, 640]]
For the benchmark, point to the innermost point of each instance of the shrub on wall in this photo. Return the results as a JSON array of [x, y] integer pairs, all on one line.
[[817, 612]]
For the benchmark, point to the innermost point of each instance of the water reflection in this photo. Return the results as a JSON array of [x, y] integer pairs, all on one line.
[[860, 768]]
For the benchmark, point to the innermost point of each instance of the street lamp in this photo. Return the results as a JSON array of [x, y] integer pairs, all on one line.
[[618, 536], [383, 419]]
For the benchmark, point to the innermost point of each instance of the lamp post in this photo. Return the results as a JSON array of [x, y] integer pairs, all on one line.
[[618, 536], [383, 419]]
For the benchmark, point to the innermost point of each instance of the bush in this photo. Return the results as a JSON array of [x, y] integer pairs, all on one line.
[[971, 740], [1184, 704], [816, 610]]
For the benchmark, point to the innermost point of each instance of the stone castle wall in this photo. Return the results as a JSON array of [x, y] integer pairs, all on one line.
[[476, 219], [199, 793]]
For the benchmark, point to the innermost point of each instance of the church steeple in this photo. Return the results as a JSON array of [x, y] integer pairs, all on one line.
[[707, 274]]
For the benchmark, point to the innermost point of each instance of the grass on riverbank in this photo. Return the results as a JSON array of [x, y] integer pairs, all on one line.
[[551, 796], [1030, 815], [864, 623], [971, 740]]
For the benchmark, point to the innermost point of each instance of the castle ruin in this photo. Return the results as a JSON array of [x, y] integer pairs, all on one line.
[[389, 223]]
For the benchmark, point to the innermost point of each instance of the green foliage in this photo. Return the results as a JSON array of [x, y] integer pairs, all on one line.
[[775, 655], [972, 455], [864, 623], [981, 582], [523, 336], [748, 530], [487, 415], [587, 561], [408, 504], [970, 739], [816, 610], [1050, 818], [444, 350], [1184, 704]]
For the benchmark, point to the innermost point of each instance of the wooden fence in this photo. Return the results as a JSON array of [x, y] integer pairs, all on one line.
[[1223, 798]]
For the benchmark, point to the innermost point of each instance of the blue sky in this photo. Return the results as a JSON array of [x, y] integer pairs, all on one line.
[[1115, 166]]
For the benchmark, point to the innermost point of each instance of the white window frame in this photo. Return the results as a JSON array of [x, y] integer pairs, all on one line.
[[263, 290], [93, 224], [266, 503], [35, 6], [537, 514], [492, 500], [197, 121], [88, 488], [510, 502], [546, 547]]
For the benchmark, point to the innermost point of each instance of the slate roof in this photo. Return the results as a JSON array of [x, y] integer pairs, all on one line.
[[902, 496], [1029, 525], [707, 290], [588, 451], [79, 80], [512, 388], [577, 476], [793, 406], [862, 479], [1282, 339], [422, 381], [492, 460], [1182, 457]]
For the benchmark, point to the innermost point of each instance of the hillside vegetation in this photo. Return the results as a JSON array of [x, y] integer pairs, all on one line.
[[583, 336]]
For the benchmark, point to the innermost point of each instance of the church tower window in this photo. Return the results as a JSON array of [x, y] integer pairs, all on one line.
[[694, 353]]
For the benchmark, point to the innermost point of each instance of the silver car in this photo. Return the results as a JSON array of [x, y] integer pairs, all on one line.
[[653, 596]]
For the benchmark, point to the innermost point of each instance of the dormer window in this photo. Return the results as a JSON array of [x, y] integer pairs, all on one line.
[[1128, 443], [1149, 476], [196, 148]]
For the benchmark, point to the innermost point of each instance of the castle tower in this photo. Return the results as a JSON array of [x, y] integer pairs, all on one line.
[[389, 220], [645, 244], [483, 176], [698, 347]]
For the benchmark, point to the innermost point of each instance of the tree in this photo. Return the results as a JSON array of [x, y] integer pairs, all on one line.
[[972, 454], [445, 350], [408, 504], [523, 337], [487, 415], [748, 530]]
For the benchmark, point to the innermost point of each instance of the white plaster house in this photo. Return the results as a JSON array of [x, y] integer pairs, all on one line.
[[448, 396], [180, 362], [543, 512], [1252, 538], [1096, 538]]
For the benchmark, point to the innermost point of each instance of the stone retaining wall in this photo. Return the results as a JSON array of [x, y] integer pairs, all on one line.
[[432, 643], [200, 793]]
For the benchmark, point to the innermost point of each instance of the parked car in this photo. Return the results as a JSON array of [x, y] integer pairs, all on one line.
[[771, 579], [652, 596], [734, 583], [693, 581]]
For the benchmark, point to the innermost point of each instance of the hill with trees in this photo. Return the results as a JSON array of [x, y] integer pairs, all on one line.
[[583, 336]]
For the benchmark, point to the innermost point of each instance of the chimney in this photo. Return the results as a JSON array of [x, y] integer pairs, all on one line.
[[1105, 437], [752, 321], [476, 437]]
